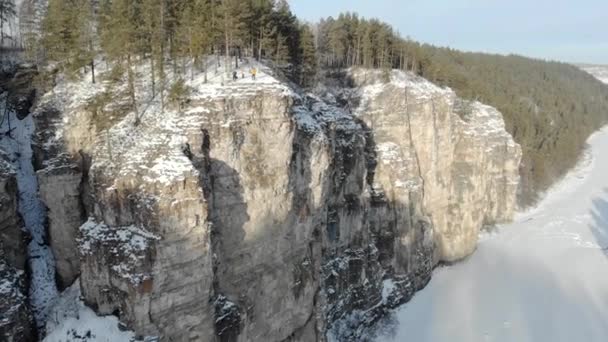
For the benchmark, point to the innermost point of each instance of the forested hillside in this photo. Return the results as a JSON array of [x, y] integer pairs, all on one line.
[[75, 32], [550, 108]]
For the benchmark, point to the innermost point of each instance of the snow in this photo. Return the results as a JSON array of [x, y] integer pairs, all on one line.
[[418, 91], [389, 152], [12, 299], [542, 278], [153, 149], [43, 290], [128, 246], [598, 71], [71, 320], [416, 86], [316, 114], [388, 286]]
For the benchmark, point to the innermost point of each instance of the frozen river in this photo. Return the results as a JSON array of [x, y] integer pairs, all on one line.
[[542, 278]]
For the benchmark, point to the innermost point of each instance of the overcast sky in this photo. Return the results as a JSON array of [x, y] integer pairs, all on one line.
[[566, 30]]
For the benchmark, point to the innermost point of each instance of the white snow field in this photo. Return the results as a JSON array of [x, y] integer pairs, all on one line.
[[71, 320], [542, 278]]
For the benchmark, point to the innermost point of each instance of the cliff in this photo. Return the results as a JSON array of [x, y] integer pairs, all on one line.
[[16, 321], [253, 212], [15, 316]]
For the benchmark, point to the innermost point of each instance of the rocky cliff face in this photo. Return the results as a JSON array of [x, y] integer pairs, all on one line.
[[16, 322], [456, 154], [11, 235], [253, 213], [59, 186]]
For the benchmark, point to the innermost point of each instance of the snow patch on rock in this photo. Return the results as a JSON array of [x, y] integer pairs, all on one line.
[[128, 246], [71, 320]]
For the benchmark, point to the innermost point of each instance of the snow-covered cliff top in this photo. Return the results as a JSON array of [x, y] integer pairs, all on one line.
[[148, 143]]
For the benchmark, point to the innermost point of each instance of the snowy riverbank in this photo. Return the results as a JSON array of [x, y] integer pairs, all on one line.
[[542, 278]]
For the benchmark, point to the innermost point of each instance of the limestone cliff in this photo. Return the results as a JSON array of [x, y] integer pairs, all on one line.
[[16, 321], [253, 212], [11, 235]]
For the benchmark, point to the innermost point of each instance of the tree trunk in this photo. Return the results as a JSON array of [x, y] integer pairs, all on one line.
[[8, 116], [131, 85], [260, 45], [161, 62], [205, 68], [1, 30], [414, 66], [192, 69], [93, 70], [218, 64], [227, 42], [358, 53], [153, 74]]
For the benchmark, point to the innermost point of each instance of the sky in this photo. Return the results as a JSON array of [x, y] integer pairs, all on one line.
[[573, 31]]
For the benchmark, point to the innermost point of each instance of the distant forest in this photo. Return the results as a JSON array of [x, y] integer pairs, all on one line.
[[549, 107]]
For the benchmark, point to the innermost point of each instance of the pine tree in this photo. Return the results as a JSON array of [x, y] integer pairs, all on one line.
[[55, 35], [368, 47], [286, 40], [308, 56], [281, 55], [30, 29], [7, 12], [119, 38], [152, 36], [235, 16], [195, 33], [159, 43], [86, 35], [267, 40], [337, 38], [67, 34], [261, 28]]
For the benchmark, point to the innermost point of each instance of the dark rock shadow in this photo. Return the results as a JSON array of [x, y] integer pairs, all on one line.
[[360, 225], [227, 215]]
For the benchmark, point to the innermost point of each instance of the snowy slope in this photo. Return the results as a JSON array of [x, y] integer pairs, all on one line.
[[542, 278], [71, 320]]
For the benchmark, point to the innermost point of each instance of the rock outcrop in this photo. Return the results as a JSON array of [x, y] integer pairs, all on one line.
[[456, 154], [16, 321], [11, 235], [253, 213], [62, 192]]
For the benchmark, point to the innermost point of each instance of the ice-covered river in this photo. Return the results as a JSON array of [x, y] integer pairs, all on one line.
[[542, 278]]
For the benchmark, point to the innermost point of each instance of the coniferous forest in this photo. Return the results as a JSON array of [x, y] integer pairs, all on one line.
[[550, 108]]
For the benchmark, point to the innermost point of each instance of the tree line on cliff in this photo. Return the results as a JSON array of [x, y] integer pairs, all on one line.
[[549, 107]]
